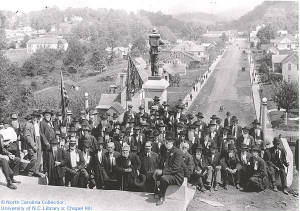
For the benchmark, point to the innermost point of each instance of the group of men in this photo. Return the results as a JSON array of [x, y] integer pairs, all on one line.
[[141, 151]]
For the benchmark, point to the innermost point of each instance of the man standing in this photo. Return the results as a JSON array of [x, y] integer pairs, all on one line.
[[149, 163], [47, 136], [236, 129], [245, 139], [172, 172], [110, 166], [228, 120]]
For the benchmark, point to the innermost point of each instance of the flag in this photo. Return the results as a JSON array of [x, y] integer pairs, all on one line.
[[134, 81], [64, 98]]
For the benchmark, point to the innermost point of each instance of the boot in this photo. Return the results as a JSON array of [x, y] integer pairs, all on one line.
[[11, 185], [160, 201]]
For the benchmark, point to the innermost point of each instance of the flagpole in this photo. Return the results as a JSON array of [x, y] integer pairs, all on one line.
[[63, 109]]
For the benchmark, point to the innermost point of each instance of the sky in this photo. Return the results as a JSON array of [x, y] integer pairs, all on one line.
[[166, 6]]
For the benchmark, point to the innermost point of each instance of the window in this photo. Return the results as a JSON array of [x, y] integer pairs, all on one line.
[[289, 66]]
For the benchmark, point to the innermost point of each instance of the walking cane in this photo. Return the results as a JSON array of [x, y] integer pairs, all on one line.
[[122, 183]]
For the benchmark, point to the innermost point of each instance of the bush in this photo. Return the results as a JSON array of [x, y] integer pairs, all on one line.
[[275, 77], [34, 85]]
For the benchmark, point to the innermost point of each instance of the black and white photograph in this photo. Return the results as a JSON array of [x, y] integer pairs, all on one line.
[[139, 105]]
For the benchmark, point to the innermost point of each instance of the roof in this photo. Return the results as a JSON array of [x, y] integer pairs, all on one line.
[[265, 46], [188, 46], [106, 101], [278, 58], [46, 40], [274, 50], [175, 68], [292, 57]]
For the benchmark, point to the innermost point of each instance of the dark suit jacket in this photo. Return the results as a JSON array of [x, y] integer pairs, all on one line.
[[274, 160], [234, 163], [29, 136], [261, 167], [174, 165], [80, 163], [95, 163], [238, 133], [47, 134], [149, 164], [227, 122], [240, 141], [110, 170], [256, 136], [123, 163]]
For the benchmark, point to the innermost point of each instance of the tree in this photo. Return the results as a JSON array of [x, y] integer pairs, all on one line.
[[139, 46], [98, 55], [263, 68], [75, 53], [24, 41], [266, 34], [3, 43], [286, 96]]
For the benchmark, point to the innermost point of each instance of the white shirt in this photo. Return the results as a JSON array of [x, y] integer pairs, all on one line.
[[86, 157], [36, 129], [73, 158], [100, 156], [9, 135], [244, 158]]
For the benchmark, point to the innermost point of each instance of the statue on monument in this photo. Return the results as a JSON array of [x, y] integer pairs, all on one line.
[[154, 42]]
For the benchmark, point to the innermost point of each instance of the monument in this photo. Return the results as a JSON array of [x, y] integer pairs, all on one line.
[[156, 85]]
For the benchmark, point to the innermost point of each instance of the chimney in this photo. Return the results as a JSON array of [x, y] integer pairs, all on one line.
[[122, 80]]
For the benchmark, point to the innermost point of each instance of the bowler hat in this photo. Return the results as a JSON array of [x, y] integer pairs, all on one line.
[[246, 128], [256, 148], [35, 114], [28, 117], [228, 113], [214, 117], [231, 146], [129, 106], [256, 122], [115, 115], [244, 147], [54, 141], [133, 148], [165, 104], [156, 99], [140, 180], [212, 122], [47, 111], [199, 146]]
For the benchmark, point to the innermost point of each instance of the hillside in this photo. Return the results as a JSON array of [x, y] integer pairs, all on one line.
[[281, 14], [198, 17]]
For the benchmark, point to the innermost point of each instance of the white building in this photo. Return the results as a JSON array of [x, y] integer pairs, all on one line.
[[46, 42], [290, 68]]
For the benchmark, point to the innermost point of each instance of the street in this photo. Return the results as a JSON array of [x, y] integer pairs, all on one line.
[[229, 87]]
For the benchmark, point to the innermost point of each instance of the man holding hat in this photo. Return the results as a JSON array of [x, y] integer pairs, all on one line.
[[172, 172], [276, 157], [257, 173]]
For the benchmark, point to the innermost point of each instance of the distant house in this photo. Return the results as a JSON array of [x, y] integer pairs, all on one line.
[[197, 51], [282, 32], [285, 43], [46, 42], [121, 52], [277, 63], [290, 68]]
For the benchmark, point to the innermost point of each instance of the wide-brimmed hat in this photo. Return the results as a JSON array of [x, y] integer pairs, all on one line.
[[156, 99], [115, 115], [244, 147], [214, 117], [14, 116], [28, 117], [141, 107], [165, 104], [256, 148], [230, 137], [246, 128], [276, 141], [140, 180], [228, 113], [199, 146], [212, 122], [256, 122]]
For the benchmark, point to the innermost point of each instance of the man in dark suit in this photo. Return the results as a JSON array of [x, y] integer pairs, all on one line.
[[230, 167], [47, 134], [200, 170], [56, 163], [257, 133], [277, 163], [213, 168], [236, 129], [244, 156], [138, 140], [75, 166], [149, 163], [172, 173], [128, 115], [228, 120], [97, 165], [258, 173], [245, 139], [128, 167], [109, 164]]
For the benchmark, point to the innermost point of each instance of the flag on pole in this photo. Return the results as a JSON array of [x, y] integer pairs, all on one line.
[[134, 81], [64, 98]]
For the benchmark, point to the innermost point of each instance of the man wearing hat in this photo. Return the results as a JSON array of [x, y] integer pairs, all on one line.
[[200, 168], [201, 123], [149, 163], [213, 134], [257, 133], [172, 172], [207, 142], [245, 138], [276, 159], [32, 147], [213, 168], [128, 168], [129, 114], [55, 163], [109, 163], [138, 116], [236, 129], [222, 138], [228, 120], [244, 156], [164, 111], [47, 134], [138, 139], [156, 100], [75, 166], [87, 138], [230, 167], [97, 165], [188, 159], [16, 126], [257, 174], [230, 139]]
